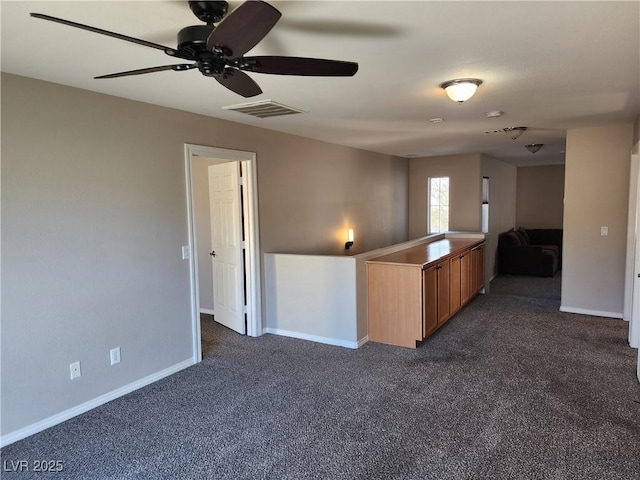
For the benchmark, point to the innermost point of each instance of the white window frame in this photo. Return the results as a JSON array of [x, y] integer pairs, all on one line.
[[429, 204]]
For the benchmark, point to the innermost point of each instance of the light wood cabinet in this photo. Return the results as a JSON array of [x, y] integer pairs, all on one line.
[[454, 284], [413, 292], [476, 268], [478, 256], [444, 309], [465, 274], [460, 280], [473, 270], [431, 313]]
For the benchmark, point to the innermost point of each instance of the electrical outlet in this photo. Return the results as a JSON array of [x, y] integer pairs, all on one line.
[[115, 355], [604, 231], [75, 370]]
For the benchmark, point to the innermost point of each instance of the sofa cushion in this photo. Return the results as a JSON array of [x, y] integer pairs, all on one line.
[[545, 236], [524, 235], [512, 238], [551, 248]]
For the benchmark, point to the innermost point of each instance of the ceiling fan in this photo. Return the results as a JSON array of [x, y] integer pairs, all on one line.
[[218, 50]]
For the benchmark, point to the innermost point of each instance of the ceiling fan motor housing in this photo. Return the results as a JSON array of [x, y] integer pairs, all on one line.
[[194, 38], [209, 12]]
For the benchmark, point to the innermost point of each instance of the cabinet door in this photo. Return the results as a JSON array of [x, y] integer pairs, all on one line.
[[430, 300], [454, 284], [394, 304], [480, 270], [444, 309], [465, 267], [473, 271]]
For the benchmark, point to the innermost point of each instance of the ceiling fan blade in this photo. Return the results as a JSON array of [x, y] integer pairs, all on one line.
[[169, 51], [243, 28], [298, 66], [239, 82], [176, 68]]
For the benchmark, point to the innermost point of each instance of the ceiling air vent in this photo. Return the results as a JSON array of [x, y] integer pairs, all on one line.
[[264, 109]]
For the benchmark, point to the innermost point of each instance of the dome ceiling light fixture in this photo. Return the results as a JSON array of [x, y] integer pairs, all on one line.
[[534, 147], [515, 132], [461, 89]]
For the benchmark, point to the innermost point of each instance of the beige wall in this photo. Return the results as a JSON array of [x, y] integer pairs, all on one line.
[[94, 216], [312, 192], [465, 173], [540, 196], [465, 187], [596, 195], [502, 204], [636, 135]]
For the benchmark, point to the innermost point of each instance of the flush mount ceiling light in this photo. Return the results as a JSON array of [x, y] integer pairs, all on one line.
[[515, 132], [534, 147], [461, 89]]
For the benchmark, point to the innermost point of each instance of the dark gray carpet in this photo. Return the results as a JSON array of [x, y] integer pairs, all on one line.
[[524, 286], [510, 388]]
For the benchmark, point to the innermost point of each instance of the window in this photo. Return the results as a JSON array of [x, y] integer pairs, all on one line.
[[438, 220], [485, 204]]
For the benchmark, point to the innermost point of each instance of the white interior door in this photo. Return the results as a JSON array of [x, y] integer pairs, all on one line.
[[226, 245]]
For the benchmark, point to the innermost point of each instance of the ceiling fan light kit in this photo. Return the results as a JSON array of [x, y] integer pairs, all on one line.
[[218, 50], [534, 147], [515, 132], [462, 89]]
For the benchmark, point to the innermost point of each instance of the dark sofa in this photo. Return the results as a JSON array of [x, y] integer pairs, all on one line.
[[530, 251]]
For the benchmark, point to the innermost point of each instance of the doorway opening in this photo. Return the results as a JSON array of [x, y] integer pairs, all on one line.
[[236, 283]]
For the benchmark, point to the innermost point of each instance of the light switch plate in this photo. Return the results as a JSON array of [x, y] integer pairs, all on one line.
[[186, 252], [114, 355], [75, 370], [604, 231]]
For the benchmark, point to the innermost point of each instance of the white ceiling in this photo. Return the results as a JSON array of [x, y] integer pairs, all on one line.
[[550, 66]]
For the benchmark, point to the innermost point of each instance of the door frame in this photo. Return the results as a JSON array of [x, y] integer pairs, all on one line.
[[631, 303], [252, 236]]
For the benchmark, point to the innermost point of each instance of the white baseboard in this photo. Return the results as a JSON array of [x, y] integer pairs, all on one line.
[[206, 311], [91, 404], [362, 341], [313, 338], [595, 313]]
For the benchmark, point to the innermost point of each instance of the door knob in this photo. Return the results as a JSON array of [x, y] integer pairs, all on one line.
[[213, 253]]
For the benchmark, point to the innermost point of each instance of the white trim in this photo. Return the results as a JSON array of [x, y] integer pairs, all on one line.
[[250, 192], [252, 247], [91, 404], [196, 345], [595, 313], [206, 311], [313, 338], [630, 262], [362, 341], [632, 287]]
